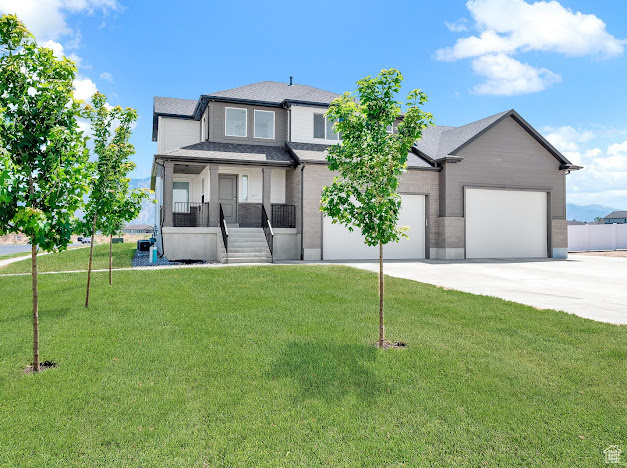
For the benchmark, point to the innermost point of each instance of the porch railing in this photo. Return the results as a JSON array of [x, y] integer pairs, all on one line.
[[267, 230], [225, 233], [188, 214], [284, 216]]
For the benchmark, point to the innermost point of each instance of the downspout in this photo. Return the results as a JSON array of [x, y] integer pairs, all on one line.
[[302, 212]]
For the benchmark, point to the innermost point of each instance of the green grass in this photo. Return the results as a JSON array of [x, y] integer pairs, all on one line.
[[274, 366], [76, 259]]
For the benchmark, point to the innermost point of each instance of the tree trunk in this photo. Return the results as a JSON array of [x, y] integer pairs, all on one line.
[[110, 257], [35, 309], [91, 253], [381, 331]]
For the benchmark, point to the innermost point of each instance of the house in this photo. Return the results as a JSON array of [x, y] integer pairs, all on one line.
[[238, 176], [138, 229], [616, 217]]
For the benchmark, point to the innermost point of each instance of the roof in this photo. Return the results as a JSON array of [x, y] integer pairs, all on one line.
[[440, 143], [317, 154], [171, 107], [574, 222], [237, 153], [616, 214], [139, 226], [276, 93]]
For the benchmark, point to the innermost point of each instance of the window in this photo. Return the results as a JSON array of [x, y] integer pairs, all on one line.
[[180, 197], [245, 188], [323, 128], [235, 122], [389, 129], [264, 124]]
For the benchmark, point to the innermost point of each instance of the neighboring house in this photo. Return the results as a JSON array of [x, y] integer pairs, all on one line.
[[138, 229], [616, 217], [236, 160]]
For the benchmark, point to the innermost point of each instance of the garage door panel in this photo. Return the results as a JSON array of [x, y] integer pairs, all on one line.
[[506, 224], [338, 243]]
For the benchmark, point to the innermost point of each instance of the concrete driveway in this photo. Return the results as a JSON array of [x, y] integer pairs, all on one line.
[[588, 286]]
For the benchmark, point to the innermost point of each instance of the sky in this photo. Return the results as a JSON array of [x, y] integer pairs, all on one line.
[[561, 64]]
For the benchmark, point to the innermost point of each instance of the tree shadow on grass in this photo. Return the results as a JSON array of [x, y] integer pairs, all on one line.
[[329, 371]]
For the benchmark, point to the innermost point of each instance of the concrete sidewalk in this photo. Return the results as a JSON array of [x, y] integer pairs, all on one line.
[[587, 286]]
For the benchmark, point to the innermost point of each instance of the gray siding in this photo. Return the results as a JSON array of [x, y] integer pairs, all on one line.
[[216, 125], [505, 156]]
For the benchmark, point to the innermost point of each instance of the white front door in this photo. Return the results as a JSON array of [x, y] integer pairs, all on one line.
[[338, 243], [506, 223]]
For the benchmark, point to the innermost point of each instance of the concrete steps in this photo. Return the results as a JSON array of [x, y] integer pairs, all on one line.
[[248, 245]]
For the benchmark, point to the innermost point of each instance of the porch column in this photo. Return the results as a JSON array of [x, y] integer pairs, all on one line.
[[214, 190], [267, 190], [168, 178]]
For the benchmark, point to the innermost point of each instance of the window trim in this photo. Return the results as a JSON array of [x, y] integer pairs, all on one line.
[[273, 124], [326, 120], [245, 122]]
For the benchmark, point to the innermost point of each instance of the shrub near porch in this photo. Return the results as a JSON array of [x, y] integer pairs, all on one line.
[[276, 366]]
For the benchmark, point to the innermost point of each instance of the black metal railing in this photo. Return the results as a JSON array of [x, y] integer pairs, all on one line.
[[267, 230], [188, 214], [225, 232], [283, 216]]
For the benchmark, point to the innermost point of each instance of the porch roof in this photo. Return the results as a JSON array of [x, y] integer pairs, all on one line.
[[317, 154], [232, 153]]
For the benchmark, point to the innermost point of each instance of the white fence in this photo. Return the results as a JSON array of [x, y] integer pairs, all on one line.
[[586, 237]]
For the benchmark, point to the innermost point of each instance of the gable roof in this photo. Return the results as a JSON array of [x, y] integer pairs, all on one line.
[[616, 214], [273, 92], [441, 144]]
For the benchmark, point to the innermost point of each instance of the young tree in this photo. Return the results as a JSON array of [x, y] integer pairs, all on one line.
[[110, 203], [370, 160], [45, 175]]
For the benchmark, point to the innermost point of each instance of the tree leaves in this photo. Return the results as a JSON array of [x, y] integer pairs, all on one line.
[[370, 160]]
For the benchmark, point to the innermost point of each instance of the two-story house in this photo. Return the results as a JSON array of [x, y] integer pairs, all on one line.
[[238, 176]]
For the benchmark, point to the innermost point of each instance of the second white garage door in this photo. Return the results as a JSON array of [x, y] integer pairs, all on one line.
[[338, 243], [506, 224]]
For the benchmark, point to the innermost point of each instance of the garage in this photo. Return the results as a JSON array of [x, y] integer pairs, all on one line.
[[506, 223], [338, 243]]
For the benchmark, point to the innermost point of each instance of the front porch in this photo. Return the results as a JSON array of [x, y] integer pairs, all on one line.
[[204, 207]]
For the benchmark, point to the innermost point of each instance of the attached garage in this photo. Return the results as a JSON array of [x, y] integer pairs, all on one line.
[[506, 223], [338, 243]]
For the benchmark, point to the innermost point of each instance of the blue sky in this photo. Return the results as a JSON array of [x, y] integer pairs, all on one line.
[[561, 65]]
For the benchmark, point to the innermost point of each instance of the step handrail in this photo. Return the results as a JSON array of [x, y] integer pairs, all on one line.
[[267, 230], [225, 233]]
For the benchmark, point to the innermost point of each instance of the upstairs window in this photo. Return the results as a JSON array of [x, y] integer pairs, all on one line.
[[264, 124], [235, 122], [323, 128]]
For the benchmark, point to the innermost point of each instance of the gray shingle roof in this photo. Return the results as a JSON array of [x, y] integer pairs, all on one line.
[[438, 142], [271, 91], [234, 152], [174, 106], [617, 214], [313, 153]]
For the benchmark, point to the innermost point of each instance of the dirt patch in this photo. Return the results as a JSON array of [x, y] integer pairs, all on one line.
[[392, 345], [45, 365], [607, 253]]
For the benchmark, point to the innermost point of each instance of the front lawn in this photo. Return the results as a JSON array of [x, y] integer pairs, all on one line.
[[275, 365], [76, 259]]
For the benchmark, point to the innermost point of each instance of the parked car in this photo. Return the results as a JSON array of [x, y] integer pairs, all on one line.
[[79, 239], [86, 240]]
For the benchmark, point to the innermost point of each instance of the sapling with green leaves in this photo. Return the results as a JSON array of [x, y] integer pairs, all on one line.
[[110, 203], [370, 161], [44, 168]]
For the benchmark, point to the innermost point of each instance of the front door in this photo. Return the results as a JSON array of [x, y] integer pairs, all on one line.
[[227, 196]]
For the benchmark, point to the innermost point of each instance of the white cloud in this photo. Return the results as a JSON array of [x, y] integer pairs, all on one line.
[[457, 26], [46, 19], [506, 76], [84, 88], [508, 27], [567, 138], [107, 77]]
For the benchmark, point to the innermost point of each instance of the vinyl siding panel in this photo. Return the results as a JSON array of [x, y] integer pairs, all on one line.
[[301, 121], [216, 125], [505, 156], [176, 133]]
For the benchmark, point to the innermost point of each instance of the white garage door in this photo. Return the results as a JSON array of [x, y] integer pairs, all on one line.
[[338, 243], [506, 224]]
